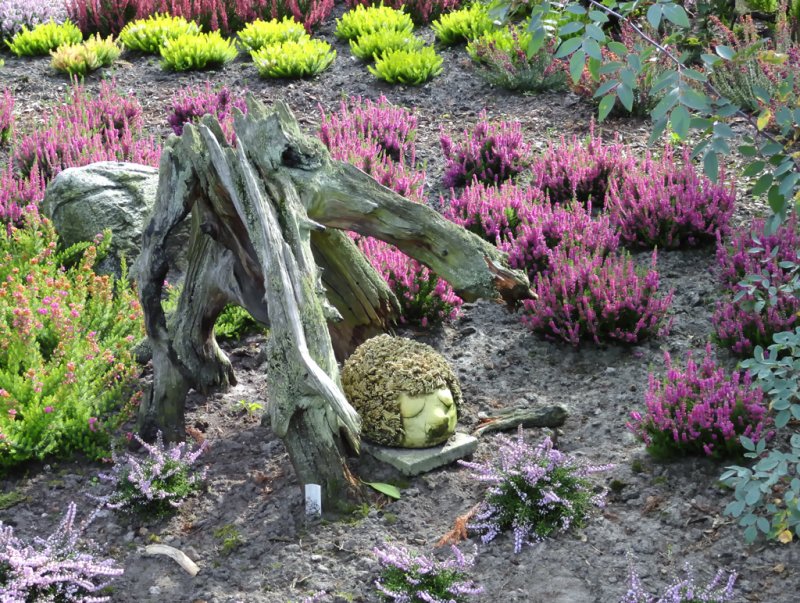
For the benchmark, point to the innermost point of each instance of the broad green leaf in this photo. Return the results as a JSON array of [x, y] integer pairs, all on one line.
[[709, 59], [654, 15], [594, 32], [763, 119], [762, 94], [598, 16], [659, 125], [676, 14], [711, 166], [618, 48], [570, 28], [606, 104], [777, 202], [567, 47], [726, 52], [576, 63], [695, 75], [665, 104], [627, 77], [575, 9], [694, 99], [387, 489], [679, 120], [625, 96], [756, 167], [762, 184], [592, 49]]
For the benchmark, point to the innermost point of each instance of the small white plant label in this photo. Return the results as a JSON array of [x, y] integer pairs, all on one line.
[[313, 500]]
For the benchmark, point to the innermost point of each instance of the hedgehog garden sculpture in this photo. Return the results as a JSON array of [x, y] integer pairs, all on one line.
[[405, 392]]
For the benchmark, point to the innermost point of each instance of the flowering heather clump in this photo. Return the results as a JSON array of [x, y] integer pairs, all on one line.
[[421, 11], [744, 322], [684, 590], [700, 409], [544, 227], [591, 296], [18, 197], [84, 130], [16, 13], [66, 367], [534, 492], [411, 578], [6, 116], [681, 208], [60, 568], [190, 104], [424, 298], [579, 170], [159, 482], [490, 152]]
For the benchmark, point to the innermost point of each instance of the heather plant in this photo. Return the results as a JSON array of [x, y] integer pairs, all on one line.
[[81, 59], [412, 67], [293, 59], [700, 409], [534, 492], [83, 130], [684, 590], [158, 483], [765, 304], [30, 13], [361, 20], [580, 170], [410, 577], [421, 11], [6, 116], [203, 51], [489, 152], [43, 38], [260, 33], [18, 197], [598, 297], [503, 60], [425, 299], [66, 368], [63, 567], [149, 35], [679, 208], [370, 45], [189, 104], [462, 25]]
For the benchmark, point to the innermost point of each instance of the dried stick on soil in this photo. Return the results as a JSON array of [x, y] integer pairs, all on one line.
[[459, 531]]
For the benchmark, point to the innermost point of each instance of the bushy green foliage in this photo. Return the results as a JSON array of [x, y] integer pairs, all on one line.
[[80, 59], [260, 33], [294, 58], [412, 67], [189, 52], [43, 38], [66, 367], [370, 45], [361, 20], [148, 35], [463, 25]]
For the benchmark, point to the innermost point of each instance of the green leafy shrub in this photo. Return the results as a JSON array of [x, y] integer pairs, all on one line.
[[189, 52], [412, 67], [260, 33], [463, 25], [43, 38], [80, 59], [361, 20], [294, 58], [66, 366], [503, 60], [370, 45], [148, 35]]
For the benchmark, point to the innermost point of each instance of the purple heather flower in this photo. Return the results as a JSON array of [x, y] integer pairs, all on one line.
[[190, 104]]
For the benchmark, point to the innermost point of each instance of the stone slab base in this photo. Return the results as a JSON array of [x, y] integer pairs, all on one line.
[[414, 461]]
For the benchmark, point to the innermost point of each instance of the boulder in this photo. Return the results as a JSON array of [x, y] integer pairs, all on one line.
[[84, 201]]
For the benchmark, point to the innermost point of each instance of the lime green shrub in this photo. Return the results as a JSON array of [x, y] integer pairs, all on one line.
[[462, 25], [260, 33], [43, 38], [407, 66], [361, 20], [293, 59], [188, 52], [66, 369], [149, 35], [368, 46], [80, 59]]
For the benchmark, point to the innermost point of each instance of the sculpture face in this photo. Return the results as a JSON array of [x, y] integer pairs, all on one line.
[[429, 419]]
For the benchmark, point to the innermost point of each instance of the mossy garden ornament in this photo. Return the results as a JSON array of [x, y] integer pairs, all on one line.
[[405, 392]]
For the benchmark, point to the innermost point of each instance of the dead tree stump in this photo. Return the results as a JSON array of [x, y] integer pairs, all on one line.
[[264, 220]]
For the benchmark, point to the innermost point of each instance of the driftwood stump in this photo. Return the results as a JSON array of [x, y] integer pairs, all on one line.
[[265, 215]]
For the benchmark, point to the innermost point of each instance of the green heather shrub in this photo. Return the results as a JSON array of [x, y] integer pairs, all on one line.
[[148, 35], [407, 66], [43, 38], [66, 368], [370, 45], [260, 33], [189, 52], [503, 60], [361, 20], [463, 25], [293, 58], [80, 59]]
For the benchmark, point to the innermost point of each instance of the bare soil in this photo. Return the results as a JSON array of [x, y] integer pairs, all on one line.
[[249, 534]]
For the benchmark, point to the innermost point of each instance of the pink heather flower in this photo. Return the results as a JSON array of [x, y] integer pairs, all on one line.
[[12, 412], [48, 409], [92, 422]]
